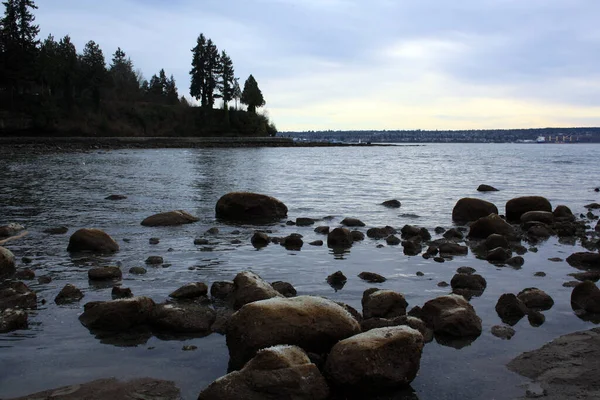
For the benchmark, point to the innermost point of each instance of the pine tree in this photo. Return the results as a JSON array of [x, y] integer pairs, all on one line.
[[171, 91], [49, 68], [252, 96], [213, 67], [226, 82], [123, 77], [69, 68], [237, 91], [198, 71], [93, 68]]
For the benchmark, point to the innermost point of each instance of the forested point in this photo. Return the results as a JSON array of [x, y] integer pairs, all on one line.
[[49, 88]]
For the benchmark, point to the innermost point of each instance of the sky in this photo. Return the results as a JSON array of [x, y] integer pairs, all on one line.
[[369, 64]]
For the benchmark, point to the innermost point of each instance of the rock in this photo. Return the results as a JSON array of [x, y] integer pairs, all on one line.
[[201, 241], [316, 243], [305, 221], [323, 230], [584, 260], [494, 240], [68, 294], [7, 262], [284, 288], [260, 239], [439, 259], [419, 273], [412, 322], [392, 240], [586, 296], [249, 287], [474, 282], [221, 289], [486, 226], [25, 274], [452, 249], [118, 292], [563, 213], [59, 230], [42, 280], [466, 270], [486, 188], [10, 230], [411, 231], [451, 315], [371, 277], [443, 284], [340, 238], [469, 209], [104, 273], [137, 270], [503, 332], [190, 291], [439, 230], [352, 222], [593, 276], [453, 234], [212, 231], [337, 280], [520, 205], [250, 207], [292, 242], [154, 241], [115, 197], [545, 217], [383, 304], [411, 248], [12, 320], [565, 368], [377, 360], [515, 262], [498, 255], [510, 309], [540, 274], [357, 236], [592, 206], [17, 295], [535, 299], [380, 233], [112, 389], [117, 315], [154, 260], [279, 372], [92, 240], [391, 204], [539, 232], [313, 323], [170, 218], [183, 318]]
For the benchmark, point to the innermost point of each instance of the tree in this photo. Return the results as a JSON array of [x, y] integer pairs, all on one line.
[[124, 79], [93, 68], [237, 91], [252, 96], [226, 82], [205, 71], [171, 91], [49, 67], [69, 68], [213, 67]]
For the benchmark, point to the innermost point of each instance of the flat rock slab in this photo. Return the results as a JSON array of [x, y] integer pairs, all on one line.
[[112, 389], [566, 368]]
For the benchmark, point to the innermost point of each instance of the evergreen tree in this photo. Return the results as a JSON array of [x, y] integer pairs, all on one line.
[[123, 77], [49, 67], [93, 70], [213, 67], [69, 68], [171, 91], [155, 89], [252, 96], [226, 83], [237, 91], [198, 71]]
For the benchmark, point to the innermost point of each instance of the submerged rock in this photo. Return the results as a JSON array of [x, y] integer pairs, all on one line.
[[17, 295], [340, 238], [520, 205], [352, 222], [7, 262], [469, 209], [535, 299], [92, 240], [117, 315], [68, 294], [391, 204], [59, 230], [104, 273], [486, 188], [337, 280], [503, 332], [510, 309], [305, 221], [10, 230], [371, 277], [260, 239], [12, 320], [584, 260], [170, 218], [250, 207], [249, 287]]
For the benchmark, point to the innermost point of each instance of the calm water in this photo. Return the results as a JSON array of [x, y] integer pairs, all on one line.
[[42, 191]]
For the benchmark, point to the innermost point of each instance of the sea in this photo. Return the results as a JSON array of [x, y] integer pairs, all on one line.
[[41, 191]]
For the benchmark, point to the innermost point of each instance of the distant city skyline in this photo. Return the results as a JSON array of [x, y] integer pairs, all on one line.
[[383, 64]]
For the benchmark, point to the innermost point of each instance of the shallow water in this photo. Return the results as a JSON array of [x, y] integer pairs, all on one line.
[[42, 191]]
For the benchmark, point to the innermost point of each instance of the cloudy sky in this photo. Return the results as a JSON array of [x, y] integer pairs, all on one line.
[[376, 64]]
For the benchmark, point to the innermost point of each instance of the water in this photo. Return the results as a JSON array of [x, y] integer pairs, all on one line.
[[42, 191]]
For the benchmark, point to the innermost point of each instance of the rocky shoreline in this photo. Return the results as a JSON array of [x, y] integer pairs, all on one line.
[[311, 347]]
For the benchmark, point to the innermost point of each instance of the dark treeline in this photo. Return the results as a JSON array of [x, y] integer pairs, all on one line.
[[48, 87]]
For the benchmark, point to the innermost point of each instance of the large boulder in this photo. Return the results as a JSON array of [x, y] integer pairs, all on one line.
[[7, 262], [313, 323], [117, 315], [249, 287], [11, 320], [510, 309], [486, 226], [188, 318], [563, 213], [352, 222], [584, 260], [469, 209], [17, 295], [544, 217], [87, 239], [586, 296], [279, 372], [536, 299], [170, 218], [250, 207], [377, 360], [340, 238], [520, 205], [451, 315], [190, 291], [383, 303], [474, 282]]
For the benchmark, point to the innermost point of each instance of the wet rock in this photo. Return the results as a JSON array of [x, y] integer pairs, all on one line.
[[12, 320], [383, 303], [10, 230], [535, 299], [340, 238], [92, 240], [411, 248], [515, 262], [470, 209], [170, 218], [42, 280], [285, 288], [439, 230], [391, 204], [212, 231], [380, 359], [451, 315], [466, 270], [412, 322], [452, 249], [439, 259], [290, 223], [443, 284], [154, 241], [190, 291], [25, 274], [313, 323], [249, 287], [392, 240], [117, 315], [250, 207], [520, 205], [584, 260], [486, 226], [486, 188], [337, 280], [563, 213], [304, 221], [545, 217], [279, 372], [510, 309], [121, 293], [535, 318], [352, 222], [540, 274], [503, 332], [586, 296], [592, 206], [201, 242], [68, 294], [474, 282], [593, 276], [236, 241], [292, 242], [357, 236], [453, 234], [260, 239], [323, 230], [371, 277], [59, 230], [570, 284], [182, 318], [494, 240], [154, 260], [555, 259], [115, 197], [221, 289], [137, 270], [498, 255], [104, 273], [17, 295], [539, 232], [419, 273], [380, 233], [316, 243]]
